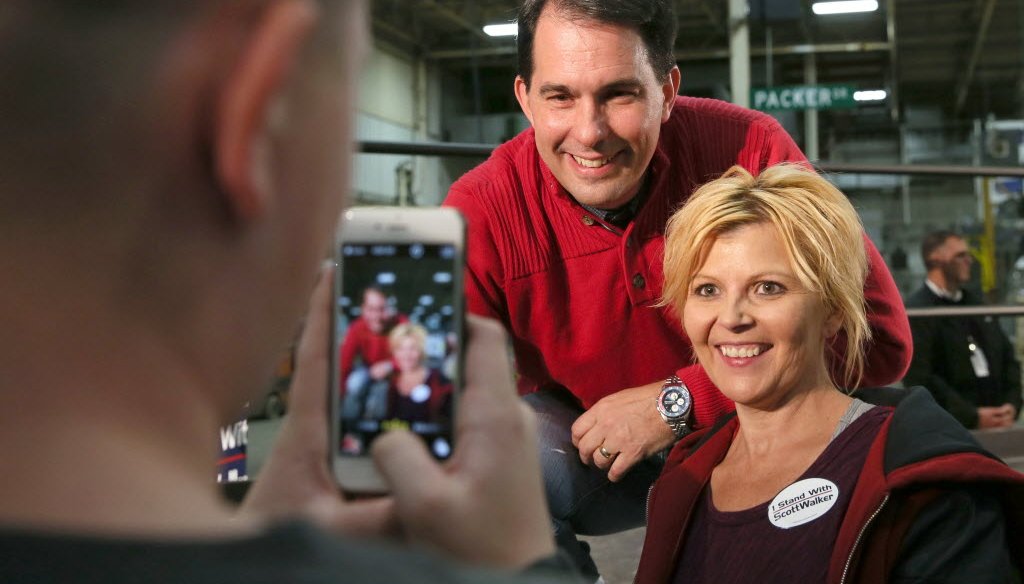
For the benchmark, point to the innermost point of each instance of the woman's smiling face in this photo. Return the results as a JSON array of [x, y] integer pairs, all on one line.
[[758, 332], [408, 353]]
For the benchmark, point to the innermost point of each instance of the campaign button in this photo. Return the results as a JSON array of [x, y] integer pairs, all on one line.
[[802, 502]]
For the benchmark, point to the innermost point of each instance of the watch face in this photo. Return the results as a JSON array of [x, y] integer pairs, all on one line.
[[675, 402]]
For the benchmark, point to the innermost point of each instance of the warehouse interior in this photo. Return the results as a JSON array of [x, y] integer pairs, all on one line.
[[950, 74]]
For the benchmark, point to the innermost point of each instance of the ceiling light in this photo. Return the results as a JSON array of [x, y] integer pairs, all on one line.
[[500, 30], [870, 95], [845, 6]]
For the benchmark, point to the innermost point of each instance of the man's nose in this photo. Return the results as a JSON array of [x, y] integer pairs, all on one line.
[[735, 313], [591, 124]]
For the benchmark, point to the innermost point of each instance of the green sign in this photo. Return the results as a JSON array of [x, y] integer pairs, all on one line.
[[802, 97]]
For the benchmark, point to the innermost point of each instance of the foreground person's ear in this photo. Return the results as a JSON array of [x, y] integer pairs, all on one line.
[[248, 102]]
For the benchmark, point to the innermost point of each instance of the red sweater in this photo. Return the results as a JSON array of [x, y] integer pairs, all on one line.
[[362, 342], [576, 294]]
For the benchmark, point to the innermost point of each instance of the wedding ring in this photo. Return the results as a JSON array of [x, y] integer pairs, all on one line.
[[604, 452]]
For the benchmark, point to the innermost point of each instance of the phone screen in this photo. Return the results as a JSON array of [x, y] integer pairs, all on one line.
[[398, 341]]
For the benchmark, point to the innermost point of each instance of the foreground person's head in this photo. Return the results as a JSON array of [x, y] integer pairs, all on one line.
[[764, 272], [172, 171]]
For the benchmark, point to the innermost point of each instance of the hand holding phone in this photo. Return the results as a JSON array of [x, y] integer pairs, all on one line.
[[484, 506], [295, 480], [397, 335]]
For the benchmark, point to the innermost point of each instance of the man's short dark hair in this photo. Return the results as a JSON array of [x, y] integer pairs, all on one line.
[[654, 21], [933, 241]]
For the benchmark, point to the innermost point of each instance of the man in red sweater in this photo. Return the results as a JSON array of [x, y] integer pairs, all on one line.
[[566, 228]]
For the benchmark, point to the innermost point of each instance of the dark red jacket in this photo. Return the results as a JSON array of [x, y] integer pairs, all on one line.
[[577, 295], [930, 503]]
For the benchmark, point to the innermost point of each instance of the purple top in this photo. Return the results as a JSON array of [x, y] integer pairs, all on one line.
[[745, 546]]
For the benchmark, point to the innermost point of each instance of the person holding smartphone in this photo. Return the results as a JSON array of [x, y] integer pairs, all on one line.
[[566, 225], [172, 173]]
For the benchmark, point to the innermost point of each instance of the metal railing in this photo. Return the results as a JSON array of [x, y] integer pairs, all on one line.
[[484, 150], [988, 310]]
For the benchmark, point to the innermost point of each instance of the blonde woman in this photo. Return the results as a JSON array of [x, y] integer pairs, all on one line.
[[806, 483], [416, 393]]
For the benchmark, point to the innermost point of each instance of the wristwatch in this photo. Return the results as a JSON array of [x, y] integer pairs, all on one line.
[[675, 404]]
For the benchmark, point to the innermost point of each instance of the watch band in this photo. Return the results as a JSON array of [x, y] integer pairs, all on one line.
[[679, 427]]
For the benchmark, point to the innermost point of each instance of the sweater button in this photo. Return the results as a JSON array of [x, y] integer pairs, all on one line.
[[588, 220], [639, 282]]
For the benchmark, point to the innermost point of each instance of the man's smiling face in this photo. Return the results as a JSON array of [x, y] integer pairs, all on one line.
[[596, 106]]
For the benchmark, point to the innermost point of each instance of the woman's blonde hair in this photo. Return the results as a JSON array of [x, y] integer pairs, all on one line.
[[819, 228], [408, 329]]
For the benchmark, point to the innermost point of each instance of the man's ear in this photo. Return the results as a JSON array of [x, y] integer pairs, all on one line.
[[523, 96], [670, 88], [247, 99]]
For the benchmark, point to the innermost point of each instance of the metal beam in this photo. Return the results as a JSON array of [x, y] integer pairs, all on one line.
[[946, 41], [811, 150], [920, 169], [467, 53], [944, 311], [739, 52], [807, 49], [894, 62], [934, 7], [484, 150], [802, 49], [979, 41], [394, 31], [698, 55], [455, 18]]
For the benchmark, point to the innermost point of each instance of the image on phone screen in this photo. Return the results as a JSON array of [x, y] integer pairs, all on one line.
[[397, 344]]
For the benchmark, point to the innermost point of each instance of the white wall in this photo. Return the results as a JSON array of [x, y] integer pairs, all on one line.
[[399, 100], [386, 87]]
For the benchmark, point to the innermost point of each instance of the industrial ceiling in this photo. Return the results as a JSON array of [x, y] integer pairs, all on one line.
[[965, 57]]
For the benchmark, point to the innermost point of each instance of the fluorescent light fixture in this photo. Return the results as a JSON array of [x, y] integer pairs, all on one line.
[[500, 30], [844, 6], [870, 95]]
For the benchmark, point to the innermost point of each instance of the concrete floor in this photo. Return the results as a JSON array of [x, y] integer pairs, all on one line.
[[617, 555]]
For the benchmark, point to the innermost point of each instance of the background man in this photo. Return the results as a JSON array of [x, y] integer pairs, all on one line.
[[172, 171], [966, 362], [566, 228]]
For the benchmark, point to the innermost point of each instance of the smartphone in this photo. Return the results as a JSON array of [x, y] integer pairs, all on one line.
[[397, 339]]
